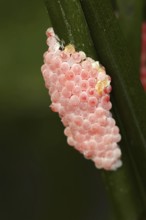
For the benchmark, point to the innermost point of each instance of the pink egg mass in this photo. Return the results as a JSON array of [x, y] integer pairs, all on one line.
[[79, 89]]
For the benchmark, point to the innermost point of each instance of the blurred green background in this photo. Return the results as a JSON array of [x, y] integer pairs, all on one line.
[[41, 177]]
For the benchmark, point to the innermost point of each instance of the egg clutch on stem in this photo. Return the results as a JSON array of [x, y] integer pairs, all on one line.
[[79, 89]]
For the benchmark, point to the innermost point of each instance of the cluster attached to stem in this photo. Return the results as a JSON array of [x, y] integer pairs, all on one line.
[[79, 88]]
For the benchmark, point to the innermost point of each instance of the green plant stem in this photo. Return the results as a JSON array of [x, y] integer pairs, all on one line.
[[144, 10], [130, 15], [64, 16], [69, 23], [128, 95]]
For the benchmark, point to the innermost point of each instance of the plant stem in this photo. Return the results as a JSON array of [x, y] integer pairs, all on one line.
[[130, 19], [128, 94], [69, 23]]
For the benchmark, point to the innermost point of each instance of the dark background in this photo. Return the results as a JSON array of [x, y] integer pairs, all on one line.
[[41, 177]]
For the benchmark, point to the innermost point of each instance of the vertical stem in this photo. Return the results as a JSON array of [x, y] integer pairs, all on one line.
[[69, 23], [130, 19], [128, 94]]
